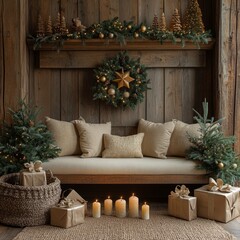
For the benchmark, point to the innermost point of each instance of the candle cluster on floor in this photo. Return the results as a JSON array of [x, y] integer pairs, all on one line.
[[120, 208]]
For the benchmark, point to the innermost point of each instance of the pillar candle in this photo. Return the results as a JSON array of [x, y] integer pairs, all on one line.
[[96, 209], [120, 208], [145, 211], [133, 206], [108, 206]]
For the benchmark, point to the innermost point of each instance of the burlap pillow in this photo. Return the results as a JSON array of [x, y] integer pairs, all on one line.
[[65, 135], [156, 138], [123, 147], [179, 142], [91, 137]]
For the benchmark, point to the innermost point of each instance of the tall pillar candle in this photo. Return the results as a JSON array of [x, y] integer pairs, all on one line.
[[133, 206], [96, 209], [108, 206], [145, 211], [120, 208]]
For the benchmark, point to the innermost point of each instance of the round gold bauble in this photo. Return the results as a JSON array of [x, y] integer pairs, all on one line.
[[136, 35], [129, 26], [103, 79], [101, 35], [111, 35], [143, 28], [126, 94], [220, 165], [235, 165], [111, 91]]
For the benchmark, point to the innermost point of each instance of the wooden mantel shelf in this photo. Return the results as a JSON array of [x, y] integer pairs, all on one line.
[[90, 53], [137, 44]]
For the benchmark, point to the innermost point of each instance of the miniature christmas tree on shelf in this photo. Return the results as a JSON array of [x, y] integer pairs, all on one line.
[[192, 21], [155, 24], [214, 150], [24, 140], [176, 25], [49, 29], [162, 24], [40, 27]]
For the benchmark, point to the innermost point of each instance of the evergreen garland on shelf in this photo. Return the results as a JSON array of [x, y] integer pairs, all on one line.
[[214, 150], [121, 81], [121, 32], [24, 140]]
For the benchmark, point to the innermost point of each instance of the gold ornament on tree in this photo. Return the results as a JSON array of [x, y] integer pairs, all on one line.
[[136, 35], [192, 21], [111, 91], [176, 25], [103, 79], [220, 165], [40, 27], [101, 35], [143, 28], [123, 79], [162, 23], [49, 28]]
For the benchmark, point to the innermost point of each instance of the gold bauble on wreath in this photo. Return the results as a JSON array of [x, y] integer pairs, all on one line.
[[111, 91], [129, 26], [136, 35], [126, 94], [220, 165], [103, 79], [235, 165]]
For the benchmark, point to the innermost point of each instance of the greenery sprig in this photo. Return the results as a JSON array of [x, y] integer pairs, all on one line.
[[121, 81], [214, 150]]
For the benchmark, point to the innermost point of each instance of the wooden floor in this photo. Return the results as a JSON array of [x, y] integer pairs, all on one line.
[[8, 233]]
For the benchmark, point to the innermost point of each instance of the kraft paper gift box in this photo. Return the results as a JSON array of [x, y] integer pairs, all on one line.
[[73, 195], [219, 206], [67, 217], [31, 179], [182, 207]]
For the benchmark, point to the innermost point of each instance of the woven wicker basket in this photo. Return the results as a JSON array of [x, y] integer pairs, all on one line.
[[27, 206]]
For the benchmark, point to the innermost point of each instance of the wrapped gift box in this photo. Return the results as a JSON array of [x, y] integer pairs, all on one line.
[[182, 207], [219, 206], [33, 178], [73, 195], [66, 217]]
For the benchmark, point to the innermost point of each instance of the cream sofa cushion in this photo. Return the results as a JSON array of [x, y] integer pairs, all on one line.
[[156, 138], [123, 147], [65, 135], [179, 142], [91, 137]]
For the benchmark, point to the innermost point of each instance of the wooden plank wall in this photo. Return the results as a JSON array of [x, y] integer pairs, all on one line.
[[67, 93], [228, 95]]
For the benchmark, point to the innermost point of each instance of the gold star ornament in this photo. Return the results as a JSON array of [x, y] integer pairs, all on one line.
[[123, 79]]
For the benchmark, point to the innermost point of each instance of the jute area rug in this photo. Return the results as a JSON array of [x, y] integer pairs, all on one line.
[[159, 227]]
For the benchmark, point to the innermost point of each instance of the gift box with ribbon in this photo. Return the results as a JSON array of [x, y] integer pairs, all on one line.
[[218, 201], [181, 205], [71, 194], [33, 175], [67, 214]]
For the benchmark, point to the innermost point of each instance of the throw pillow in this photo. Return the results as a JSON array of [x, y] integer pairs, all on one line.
[[91, 137], [123, 147], [156, 138], [65, 135], [179, 142]]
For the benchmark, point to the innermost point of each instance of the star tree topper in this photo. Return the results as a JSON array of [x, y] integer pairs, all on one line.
[[123, 79]]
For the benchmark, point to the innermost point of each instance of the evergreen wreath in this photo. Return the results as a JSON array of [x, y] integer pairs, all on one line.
[[121, 81]]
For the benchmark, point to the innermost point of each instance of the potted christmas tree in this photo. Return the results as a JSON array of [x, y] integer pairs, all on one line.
[[24, 140], [213, 150]]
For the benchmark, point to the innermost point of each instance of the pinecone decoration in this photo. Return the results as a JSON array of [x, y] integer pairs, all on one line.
[[176, 25], [56, 27], [155, 25], [162, 24], [49, 28], [40, 27], [63, 26], [192, 21]]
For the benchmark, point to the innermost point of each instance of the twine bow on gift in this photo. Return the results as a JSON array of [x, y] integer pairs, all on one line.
[[180, 191], [65, 203], [218, 185], [34, 166]]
